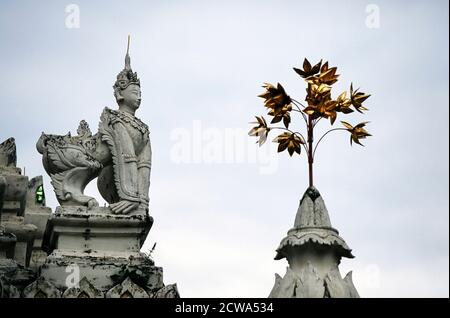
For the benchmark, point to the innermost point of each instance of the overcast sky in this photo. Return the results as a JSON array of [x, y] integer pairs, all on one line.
[[221, 204]]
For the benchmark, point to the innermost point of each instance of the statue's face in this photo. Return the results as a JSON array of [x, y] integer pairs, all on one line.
[[131, 96]]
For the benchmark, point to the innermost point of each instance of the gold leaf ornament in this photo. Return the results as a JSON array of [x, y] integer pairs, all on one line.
[[261, 130], [308, 70], [343, 104], [357, 98], [290, 141], [275, 96], [358, 132]]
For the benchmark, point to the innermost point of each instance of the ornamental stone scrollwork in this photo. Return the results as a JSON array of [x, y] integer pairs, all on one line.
[[8, 290], [84, 290], [8, 157], [41, 288], [127, 289], [169, 291]]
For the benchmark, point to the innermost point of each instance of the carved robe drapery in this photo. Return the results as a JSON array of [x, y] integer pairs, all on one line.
[[129, 143]]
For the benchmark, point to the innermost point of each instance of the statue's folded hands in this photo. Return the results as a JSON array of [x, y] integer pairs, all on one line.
[[123, 207]]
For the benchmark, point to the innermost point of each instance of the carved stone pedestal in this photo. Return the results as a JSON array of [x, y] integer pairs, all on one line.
[[101, 250], [65, 270], [95, 230]]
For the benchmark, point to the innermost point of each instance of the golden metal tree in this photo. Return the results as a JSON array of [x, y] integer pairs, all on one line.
[[320, 104]]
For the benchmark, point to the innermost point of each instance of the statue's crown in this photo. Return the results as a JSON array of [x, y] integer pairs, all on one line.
[[126, 77]]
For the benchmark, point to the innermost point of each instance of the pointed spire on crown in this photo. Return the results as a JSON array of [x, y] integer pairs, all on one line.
[[127, 56], [126, 77]]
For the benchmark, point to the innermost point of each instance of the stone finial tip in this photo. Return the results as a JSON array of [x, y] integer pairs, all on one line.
[[313, 193]]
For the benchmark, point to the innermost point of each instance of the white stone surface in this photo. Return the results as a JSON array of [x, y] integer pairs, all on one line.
[[313, 250], [96, 230]]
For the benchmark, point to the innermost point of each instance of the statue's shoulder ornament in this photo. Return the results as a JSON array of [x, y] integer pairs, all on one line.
[[111, 116]]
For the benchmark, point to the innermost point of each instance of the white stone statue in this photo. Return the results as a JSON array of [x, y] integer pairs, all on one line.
[[119, 155]]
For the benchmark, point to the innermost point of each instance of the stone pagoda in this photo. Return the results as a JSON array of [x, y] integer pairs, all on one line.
[[313, 249], [23, 218]]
